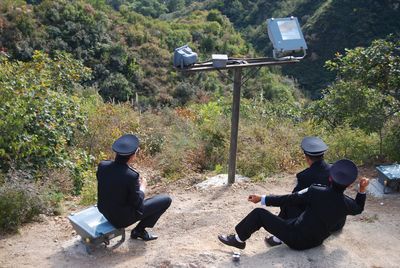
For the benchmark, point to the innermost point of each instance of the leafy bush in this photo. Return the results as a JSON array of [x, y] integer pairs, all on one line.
[[81, 166], [89, 189], [105, 123], [268, 146], [354, 144], [39, 117], [17, 206], [392, 142]]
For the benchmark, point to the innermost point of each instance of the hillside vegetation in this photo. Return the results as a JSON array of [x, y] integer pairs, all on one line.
[[329, 26]]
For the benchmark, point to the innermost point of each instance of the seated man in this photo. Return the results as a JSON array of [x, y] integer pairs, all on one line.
[[316, 173], [121, 192], [325, 207]]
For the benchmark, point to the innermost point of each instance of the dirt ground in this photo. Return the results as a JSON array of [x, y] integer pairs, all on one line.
[[188, 235]]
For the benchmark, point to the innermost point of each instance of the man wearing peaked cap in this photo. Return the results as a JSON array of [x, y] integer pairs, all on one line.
[[313, 146], [316, 173], [126, 145], [121, 191], [325, 207]]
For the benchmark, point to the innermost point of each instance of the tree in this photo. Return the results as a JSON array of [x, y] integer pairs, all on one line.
[[116, 87], [366, 94], [152, 8], [175, 5], [39, 116]]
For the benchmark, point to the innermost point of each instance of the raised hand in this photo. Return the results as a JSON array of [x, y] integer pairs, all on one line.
[[363, 184], [255, 198]]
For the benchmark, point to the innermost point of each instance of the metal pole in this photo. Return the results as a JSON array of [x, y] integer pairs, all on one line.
[[237, 83]]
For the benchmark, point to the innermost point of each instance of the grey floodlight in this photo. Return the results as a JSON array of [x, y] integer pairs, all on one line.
[[286, 37]]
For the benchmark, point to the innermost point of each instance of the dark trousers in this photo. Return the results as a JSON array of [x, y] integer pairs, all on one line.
[[290, 212], [153, 208], [275, 225]]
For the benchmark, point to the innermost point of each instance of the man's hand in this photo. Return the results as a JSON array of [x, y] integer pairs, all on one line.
[[143, 184], [255, 198], [363, 184]]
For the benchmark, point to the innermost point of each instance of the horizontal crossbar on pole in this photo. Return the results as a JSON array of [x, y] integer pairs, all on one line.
[[237, 63]]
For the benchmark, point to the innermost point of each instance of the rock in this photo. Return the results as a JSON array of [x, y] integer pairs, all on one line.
[[220, 180]]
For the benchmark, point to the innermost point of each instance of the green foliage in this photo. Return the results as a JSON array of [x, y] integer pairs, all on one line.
[[17, 206], [391, 141], [130, 54], [351, 143], [81, 167], [268, 144], [366, 94], [175, 5], [328, 26], [376, 66], [152, 8], [116, 87], [89, 189], [105, 123], [38, 117], [353, 103], [213, 121]]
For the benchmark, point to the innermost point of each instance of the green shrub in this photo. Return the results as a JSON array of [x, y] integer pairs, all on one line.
[[17, 206], [39, 116], [354, 144], [173, 161], [105, 123], [81, 167], [89, 190], [268, 146], [391, 142]]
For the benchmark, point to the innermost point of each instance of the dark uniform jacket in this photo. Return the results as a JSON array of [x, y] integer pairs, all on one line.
[[325, 207], [119, 197], [317, 173]]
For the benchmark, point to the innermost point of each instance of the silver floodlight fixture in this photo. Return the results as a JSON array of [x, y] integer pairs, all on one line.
[[286, 37]]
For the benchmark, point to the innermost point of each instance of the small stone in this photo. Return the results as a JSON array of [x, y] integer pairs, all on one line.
[[236, 257], [382, 204]]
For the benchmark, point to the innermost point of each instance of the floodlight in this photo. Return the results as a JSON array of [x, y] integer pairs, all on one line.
[[184, 57], [286, 37]]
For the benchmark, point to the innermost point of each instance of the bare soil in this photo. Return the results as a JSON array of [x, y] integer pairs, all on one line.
[[188, 235]]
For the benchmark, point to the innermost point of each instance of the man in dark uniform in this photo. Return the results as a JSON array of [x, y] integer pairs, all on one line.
[[121, 192], [317, 173], [325, 206]]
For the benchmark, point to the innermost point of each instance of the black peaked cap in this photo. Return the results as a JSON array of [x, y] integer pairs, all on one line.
[[344, 172], [313, 146], [126, 144]]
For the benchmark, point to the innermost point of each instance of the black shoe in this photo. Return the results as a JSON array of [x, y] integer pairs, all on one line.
[[230, 240], [270, 241], [144, 235]]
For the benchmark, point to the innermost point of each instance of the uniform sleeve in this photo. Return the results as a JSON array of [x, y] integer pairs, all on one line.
[[136, 196], [356, 206], [298, 198], [303, 181]]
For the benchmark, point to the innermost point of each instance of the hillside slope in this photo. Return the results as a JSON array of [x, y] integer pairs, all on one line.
[[329, 26]]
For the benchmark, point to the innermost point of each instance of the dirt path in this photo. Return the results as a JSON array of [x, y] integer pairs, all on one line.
[[188, 237]]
